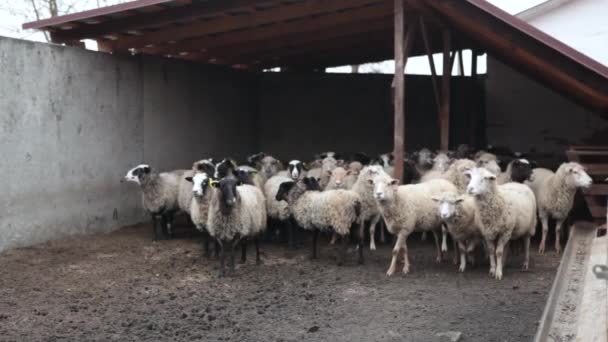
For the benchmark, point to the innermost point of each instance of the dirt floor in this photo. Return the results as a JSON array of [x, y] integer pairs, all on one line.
[[122, 286]]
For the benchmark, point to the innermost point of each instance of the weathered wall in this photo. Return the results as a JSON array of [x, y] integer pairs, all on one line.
[[301, 115], [73, 122], [527, 116]]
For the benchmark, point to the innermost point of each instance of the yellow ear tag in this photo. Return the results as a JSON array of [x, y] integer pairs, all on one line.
[[213, 183]]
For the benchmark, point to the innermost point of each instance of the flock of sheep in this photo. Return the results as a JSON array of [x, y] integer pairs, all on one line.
[[464, 195]]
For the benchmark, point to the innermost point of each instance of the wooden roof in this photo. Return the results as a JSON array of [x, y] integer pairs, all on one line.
[[313, 34]]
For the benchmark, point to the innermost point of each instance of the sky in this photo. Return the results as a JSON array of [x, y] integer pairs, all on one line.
[[13, 13]]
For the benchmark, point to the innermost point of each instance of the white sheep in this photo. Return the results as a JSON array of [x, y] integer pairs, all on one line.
[[408, 208], [555, 196], [160, 194], [236, 212], [199, 205], [312, 209], [458, 213], [488, 161], [506, 212], [441, 162], [369, 209], [184, 196]]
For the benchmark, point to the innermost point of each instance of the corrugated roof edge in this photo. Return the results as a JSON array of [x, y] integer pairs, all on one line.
[[97, 12], [544, 38]]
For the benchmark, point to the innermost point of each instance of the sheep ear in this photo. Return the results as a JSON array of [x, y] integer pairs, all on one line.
[[340, 162], [328, 172], [436, 199], [349, 172], [189, 179], [459, 199], [146, 169], [492, 177], [394, 181]]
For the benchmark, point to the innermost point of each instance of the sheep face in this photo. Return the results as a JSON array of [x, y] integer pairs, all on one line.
[[244, 176], [575, 175], [227, 192], [137, 173], [255, 159], [521, 170], [481, 181], [490, 165], [224, 168], [424, 158], [441, 161], [270, 166], [448, 205], [384, 188], [200, 183], [410, 171], [295, 168], [330, 154], [205, 165], [337, 176], [355, 167], [291, 190], [311, 184]]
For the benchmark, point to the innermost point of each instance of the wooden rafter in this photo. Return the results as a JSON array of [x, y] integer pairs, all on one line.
[[429, 53], [444, 113], [279, 14], [354, 19]]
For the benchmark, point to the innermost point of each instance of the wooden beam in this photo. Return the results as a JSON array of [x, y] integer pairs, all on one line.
[[399, 90], [461, 63], [287, 32], [168, 16], [429, 53], [473, 97], [230, 23], [444, 113]]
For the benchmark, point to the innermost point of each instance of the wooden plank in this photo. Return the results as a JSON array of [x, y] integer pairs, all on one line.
[[281, 33], [596, 169], [231, 23], [399, 90], [429, 53], [157, 19], [473, 99], [461, 63], [597, 189], [444, 112], [597, 211]]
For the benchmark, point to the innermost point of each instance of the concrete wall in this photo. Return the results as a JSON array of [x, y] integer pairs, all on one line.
[[301, 115], [72, 122], [527, 116]]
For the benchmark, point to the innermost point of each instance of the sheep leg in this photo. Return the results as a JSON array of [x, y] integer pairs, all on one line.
[[360, 243], [444, 238], [222, 259], [396, 250], [423, 236], [372, 232], [558, 231], [334, 237], [501, 254], [437, 247], [169, 228], [456, 251], [258, 260], [471, 244], [290, 233], [205, 243], [406, 260], [526, 253], [217, 248], [491, 246], [342, 256], [232, 250], [544, 219], [463, 256], [315, 236], [382, 235], [243, 251]]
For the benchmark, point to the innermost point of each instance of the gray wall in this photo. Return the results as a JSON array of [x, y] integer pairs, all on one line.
[[301, 115], [72, 122], [525, 115]]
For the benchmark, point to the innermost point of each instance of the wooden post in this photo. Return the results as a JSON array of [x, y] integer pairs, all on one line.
[[444, 112], [429, 53], [399, 89], [461, 63], [473, 143]]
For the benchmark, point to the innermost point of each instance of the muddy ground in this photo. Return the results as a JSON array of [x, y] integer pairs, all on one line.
[[122, 286]]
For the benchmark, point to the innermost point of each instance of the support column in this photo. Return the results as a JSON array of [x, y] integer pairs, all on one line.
[[399, 90], [444, 112]]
